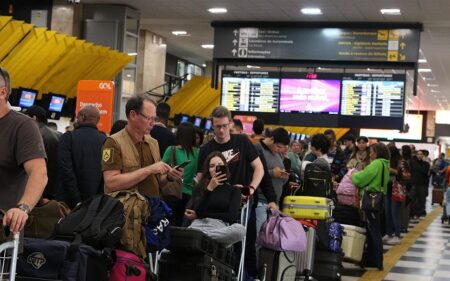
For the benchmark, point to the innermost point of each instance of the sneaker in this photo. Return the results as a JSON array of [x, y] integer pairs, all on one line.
[[386, 237], [393, 241]]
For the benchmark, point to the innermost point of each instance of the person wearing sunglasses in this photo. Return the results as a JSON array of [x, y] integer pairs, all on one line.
[[23, 173]]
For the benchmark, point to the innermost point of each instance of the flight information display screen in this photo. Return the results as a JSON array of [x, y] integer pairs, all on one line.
[[378, 95], [250, 91]]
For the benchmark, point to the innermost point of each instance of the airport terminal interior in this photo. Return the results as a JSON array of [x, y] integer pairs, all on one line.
[[378, 69]]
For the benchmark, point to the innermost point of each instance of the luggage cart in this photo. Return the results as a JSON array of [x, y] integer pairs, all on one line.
[[8, 259], [244, 220]]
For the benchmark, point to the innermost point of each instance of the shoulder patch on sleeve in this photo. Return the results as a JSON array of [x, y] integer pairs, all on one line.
[[108, 155]]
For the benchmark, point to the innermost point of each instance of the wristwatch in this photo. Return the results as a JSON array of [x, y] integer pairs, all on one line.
[[25, 208]]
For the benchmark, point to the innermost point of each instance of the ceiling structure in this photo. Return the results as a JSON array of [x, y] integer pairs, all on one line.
[[164, 16]]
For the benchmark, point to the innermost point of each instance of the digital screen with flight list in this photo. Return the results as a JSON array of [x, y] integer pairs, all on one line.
[[377, 95], [250, 91]]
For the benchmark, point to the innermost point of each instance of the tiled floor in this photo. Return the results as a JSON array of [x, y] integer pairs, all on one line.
[[428, 259]]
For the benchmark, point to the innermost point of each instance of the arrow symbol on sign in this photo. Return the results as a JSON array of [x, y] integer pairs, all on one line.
[[234, 42], [235, 32], [234, 52], [402, 45]]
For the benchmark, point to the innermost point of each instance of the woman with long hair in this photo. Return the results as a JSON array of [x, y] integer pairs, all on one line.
[[185, 150], [360, 156], [216, 203], [374, 178]]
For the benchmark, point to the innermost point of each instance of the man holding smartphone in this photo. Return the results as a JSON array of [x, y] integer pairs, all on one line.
[[246, 169]]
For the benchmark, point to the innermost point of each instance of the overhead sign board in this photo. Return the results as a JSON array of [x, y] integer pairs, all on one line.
[[331, 44]]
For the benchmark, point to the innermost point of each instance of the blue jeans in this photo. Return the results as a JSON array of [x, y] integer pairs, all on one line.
[[392, 211], [374, 251]]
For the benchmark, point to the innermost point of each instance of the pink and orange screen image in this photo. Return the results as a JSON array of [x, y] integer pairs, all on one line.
[[310, 95]]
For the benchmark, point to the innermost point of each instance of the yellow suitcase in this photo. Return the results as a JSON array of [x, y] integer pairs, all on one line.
[[308, 207]]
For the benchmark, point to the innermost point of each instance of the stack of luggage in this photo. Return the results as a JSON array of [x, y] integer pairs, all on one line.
[[194, 256]]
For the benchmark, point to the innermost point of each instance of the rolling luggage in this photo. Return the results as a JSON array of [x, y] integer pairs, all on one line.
[[193, 241], [280, 266], [353, 242], [437, 196], [193, 267], [327, 266], [308, 207], [305, 260]]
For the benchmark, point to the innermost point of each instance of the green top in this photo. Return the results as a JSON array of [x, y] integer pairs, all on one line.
[[190, 170], [371, 176]]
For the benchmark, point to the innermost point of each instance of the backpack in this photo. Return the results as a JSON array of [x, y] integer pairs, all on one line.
[[329, 236], [347, 192], [157, 230], [97, 222], [317, 181], [136, 213]]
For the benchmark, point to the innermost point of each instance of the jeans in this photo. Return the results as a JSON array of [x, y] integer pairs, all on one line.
[[392, 214], [418, 204], [374, 250], [261, 215], [220, 231]]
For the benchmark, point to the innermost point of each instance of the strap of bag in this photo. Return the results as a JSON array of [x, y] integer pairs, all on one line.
[[382, 179], [172, 159], [90, 214]]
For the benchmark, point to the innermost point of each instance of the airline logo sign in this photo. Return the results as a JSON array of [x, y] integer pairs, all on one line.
[[98, 93]]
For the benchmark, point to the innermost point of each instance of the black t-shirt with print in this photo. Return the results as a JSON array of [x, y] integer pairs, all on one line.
[[240, 168]]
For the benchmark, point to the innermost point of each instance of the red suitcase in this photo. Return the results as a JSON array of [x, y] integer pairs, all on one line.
[[437, 196]]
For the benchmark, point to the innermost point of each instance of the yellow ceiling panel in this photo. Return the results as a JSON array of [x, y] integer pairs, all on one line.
[[11, 34], [4, 20]]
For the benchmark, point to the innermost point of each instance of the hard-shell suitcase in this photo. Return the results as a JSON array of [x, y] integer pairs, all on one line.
[[327, 266], [280, 266], [308, 207], [188, 240], [353, 242], [305, 260], [437, 196], [193, 267]]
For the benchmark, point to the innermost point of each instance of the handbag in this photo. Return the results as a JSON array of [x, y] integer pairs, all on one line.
[[373, 201], [282, 233], [398, 191], [173, 188], [43, 218]]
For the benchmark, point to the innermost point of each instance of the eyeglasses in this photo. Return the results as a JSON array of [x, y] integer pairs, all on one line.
[[147, 118], [223, 126]]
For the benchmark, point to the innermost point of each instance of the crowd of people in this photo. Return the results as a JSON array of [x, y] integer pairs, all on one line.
[[142, 153]]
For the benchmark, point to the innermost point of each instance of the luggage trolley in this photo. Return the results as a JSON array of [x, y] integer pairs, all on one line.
[[8, 260], [244, 221]]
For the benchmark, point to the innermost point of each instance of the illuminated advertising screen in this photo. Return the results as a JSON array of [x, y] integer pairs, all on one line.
[[56, 103], [27, 98], [310, 95]]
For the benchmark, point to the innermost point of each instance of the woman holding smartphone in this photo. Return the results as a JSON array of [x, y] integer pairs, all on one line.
[[216, 203], [185, 155]]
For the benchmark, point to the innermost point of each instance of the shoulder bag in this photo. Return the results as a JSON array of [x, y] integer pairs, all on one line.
[[173, 188], [373, 201]]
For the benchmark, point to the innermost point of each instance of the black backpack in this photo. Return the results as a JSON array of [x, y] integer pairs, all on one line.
[[96, 222], [316, 182]]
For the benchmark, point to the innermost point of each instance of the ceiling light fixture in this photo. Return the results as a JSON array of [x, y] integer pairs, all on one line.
[[132, 54], [390, 12], [433, 85], [424, 70], [204, 65], [217, 10], [422, 61], [253, 66], [179, 32], [208, 46], [311, 11]]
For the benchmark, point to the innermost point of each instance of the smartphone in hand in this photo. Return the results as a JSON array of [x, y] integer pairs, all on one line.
[[182, 165], [221, 169]]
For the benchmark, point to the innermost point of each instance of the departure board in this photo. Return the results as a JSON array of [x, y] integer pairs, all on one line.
[[250, 91], [378, 95]]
